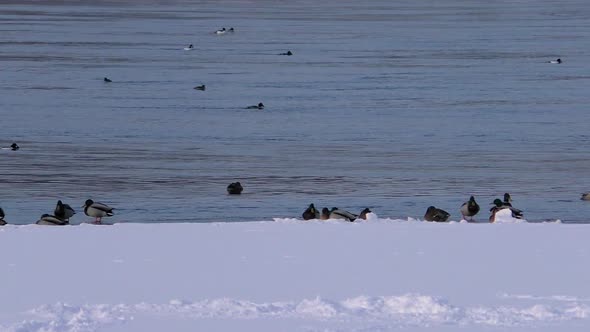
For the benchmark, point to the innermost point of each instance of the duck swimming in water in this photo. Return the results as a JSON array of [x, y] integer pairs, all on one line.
[[555, 61], [585, 196], [260, 106], [106, 80], [189, 48], [14, 147], [63, 211], [200, 87], [311, 213], [235, 188], [50, 220], [438, 215], [469, 209], [221, 31], [287, 53], [97, 210]]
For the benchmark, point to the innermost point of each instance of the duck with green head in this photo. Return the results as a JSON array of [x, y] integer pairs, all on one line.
[[311, 213], [469, 209], [499, 205]]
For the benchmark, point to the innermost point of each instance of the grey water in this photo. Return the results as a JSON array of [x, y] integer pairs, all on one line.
[[394, 105]]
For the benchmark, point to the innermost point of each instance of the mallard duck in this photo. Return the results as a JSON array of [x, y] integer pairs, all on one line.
[[336, 213], [469, 208], [260, 106], [434, 214], [97, 210], [235, 188], [2, 222], [363, 214], [325, 214], [499, 205], [50, 220], [311, 213], [585, 196], [63, 211]]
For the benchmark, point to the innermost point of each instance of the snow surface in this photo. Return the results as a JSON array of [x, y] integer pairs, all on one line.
[[292, 275]]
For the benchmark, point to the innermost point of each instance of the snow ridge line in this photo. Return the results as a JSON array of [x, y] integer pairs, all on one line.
[[394, 311]]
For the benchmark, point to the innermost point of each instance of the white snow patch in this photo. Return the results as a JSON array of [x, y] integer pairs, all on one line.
[[404, 310]]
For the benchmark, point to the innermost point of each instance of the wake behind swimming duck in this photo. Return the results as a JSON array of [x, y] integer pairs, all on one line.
[[97, 210]]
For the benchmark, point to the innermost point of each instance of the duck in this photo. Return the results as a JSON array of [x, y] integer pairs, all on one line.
[[14, 147], [221, 31], [2, 215], [235, 188], [325, 214], [499, 205], [200, 87], [469, 209], [107, 80], [363, 214], [47, 219], [336, 213], [97, 210], [63, 211], [438, 215], [311, 213], [260, 106], [585, 196], [232, 29], [555, 61], [189, 48], [286, 53], [507, 200]]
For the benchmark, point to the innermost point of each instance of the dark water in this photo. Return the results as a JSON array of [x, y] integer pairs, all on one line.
[[395, 105]]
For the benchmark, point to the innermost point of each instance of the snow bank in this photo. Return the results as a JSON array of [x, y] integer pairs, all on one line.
[[292, 275]]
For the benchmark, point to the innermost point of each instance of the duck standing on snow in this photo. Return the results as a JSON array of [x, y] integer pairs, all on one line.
[[438, 215], [235, 188], [363, 214], [585, 196], [260, 106], [2, 222], [189, 48], [555, 61], [499, 205], [97, 210], [311, 213], [469, 208], [63, 211], [50, 220]]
